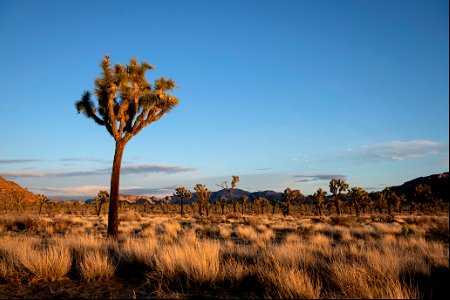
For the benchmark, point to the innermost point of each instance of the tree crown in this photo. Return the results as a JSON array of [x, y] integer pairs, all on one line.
[[127, 102]]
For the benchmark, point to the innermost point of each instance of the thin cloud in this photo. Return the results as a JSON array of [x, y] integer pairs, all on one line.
[[397, 151], [91, 159], [73, 191], [18, 161], [148, 191], [92, 190], [371, 188], [317, 177], [126, 170], [18, 174], [139, 169]]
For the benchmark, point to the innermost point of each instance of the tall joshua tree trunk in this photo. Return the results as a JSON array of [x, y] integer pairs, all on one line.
[[113, 216]]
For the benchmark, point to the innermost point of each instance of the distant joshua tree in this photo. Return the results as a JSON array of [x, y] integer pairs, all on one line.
[[319, 199], [222, 202], [422, 195], [274, 203], [391, 198], [289, 196], [262, 203], [244, 200], [337, 186], [183, 194], [42, 200], [102, 198], [127, 103], [359, 195], [224, 185], [378, 200], [202, 197]]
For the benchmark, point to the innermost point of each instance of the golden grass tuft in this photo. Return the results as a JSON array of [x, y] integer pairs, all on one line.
[[96, 266], [198, 261], [48, 264]]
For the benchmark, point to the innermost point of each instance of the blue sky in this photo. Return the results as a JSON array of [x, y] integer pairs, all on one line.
[[281, 93]]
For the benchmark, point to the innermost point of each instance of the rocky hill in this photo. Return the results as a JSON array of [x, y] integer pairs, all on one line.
[[439, 184], [10, 187]]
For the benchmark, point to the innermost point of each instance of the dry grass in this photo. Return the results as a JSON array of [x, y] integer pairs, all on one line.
[[264, 257], [96, 266]]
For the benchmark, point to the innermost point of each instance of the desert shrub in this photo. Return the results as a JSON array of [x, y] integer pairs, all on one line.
[[405, 230], [245, 233], [439, 231], [129, 216], [211, 231], [305, 231], [197, 261], [139, 251], [96, 266], [49, 264], [26, 223], [288, 283], [346, 221]]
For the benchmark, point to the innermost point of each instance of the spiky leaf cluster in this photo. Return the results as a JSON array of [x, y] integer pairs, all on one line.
[[103, 197], [319, 196], [358, 194], [127, 102], [290, 195], [182, 193], [202, 194]]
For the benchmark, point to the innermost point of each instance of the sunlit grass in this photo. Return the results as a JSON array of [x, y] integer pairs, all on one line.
[[261, 256]]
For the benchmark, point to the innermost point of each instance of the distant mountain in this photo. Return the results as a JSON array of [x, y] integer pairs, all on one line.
[[236, 194], [10, 186], [439, 184]]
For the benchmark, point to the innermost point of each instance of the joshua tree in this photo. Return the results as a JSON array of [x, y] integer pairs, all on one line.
[[244, 200], [202, 197], [378, 199], [127, 103], [222, 202], [288, 197], [274, 203], [102, 198], [184, 194], [262, 203], [391, 198], [337, 186], [18, 198], [422, 195], [42, 199], [359, 195], [319, 198], [224, 186], [401, 202]]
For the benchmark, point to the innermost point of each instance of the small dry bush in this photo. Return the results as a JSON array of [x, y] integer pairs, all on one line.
[[96, 266], [20, 222], [47, 264], [139, 251], [439, 231], [292, 283], [245, 233], [197, 260]]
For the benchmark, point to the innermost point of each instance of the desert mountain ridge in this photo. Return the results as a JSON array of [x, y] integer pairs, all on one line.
[[10, 186], [439, 184]]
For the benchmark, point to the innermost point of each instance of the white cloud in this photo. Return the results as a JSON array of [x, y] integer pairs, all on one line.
[[396, 151], [125, 170], [72, 191], [14, 174]]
